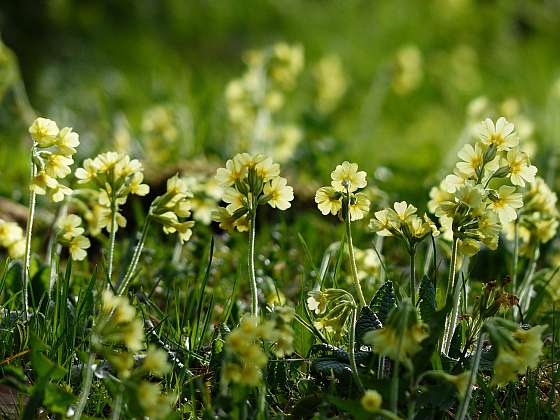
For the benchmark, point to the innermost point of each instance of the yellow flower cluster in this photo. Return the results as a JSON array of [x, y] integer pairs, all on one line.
[[115, 176], [244, 344], [253, 99], [154, 405], [11, 238], [343, 193], [164, 129], [538, 219], [470, 207], [402, 222], [249, 181], [331, 83], [518, 349], [407, 71], [71, 235], [172, 208], [206, 194], [117, 323], [401, 336], [52, 155]]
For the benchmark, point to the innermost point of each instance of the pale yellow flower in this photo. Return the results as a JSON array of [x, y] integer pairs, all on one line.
[[267, 169], [472, 159], [136, 186], [381, 223], [234, 198], [44, 132], [77, 247], [506, 203], [58, 166], [359, 206], [280, 193], [88, 172], [328, 200], [520, 169], [317, 301], [58, 193], [346, 177], [402, 211], [233, 171], [41, 182], [501, 134], [70, 226], [67, 141]]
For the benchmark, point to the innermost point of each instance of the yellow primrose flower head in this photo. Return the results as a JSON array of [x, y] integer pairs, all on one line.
[[347, 178], [44, 132], [500, 134], [248, 181], [11, 238]]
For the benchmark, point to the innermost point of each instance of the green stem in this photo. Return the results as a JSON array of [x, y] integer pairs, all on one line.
[[117, 406], [112, 237], [412, 287], [28, 235], [394, 402], [463, 408], [86, 387], [131, 270], [525, 289], [446, 342], [251, 264], [515, 256], [352, 352], [354, 268]]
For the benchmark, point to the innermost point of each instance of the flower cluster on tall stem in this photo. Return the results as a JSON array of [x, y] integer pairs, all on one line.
[[115, 176], [343, 198], [171, 210], [480, 197], [250, 181], [402, 222], [51, 157]]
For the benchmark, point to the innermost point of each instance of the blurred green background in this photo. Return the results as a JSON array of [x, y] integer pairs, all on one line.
[[101, 65]]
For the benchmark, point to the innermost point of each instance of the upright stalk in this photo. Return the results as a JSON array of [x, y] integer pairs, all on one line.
[[464, 407], [131, 270], [351, 350], [112, 237], [451, 291], [412, 286], [251, 263], [515, 256], [394, 397], [354, 269], [28, 235]]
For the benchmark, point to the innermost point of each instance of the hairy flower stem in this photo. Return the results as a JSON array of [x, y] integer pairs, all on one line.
[[86, 387], [251, 264], [362, 300], [394, 397], [412, 287], [112, 237], [352, 352], [131, 270], [464, 407], [28, 235], [515, 256], [452, 290], [526, 283]]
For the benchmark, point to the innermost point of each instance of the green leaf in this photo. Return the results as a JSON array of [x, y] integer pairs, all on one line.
[[57, 399], [367, 321], [427, 301], [384, 301]]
